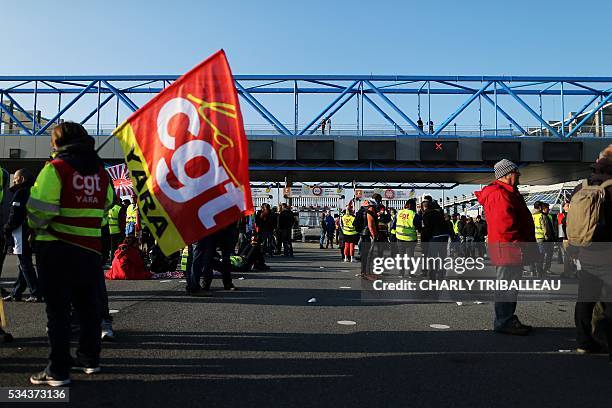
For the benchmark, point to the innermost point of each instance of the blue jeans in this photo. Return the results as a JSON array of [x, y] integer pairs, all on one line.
[[130, 228], [505, 302], [322, 237]]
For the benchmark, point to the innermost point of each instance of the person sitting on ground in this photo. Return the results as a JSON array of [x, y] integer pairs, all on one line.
[[128, 263], [251, 258]]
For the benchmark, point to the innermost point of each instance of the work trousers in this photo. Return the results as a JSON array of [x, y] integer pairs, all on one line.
[[71, 275], [203, 253], [26, 278], [590, 289]]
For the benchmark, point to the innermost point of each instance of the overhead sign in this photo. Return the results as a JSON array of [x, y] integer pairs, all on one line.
[[315, 191], [387, 194]]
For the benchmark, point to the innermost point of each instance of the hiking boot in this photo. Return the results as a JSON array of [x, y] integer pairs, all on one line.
[[514, 328], [44, 378], [230, 287]]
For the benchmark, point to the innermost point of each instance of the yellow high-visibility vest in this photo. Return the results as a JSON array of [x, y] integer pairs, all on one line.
[[113, 219], [456, 226], [347, 224], [539, 225], [404, 226], [131, 213]]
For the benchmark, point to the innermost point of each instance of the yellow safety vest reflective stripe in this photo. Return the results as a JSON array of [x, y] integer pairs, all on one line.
[[113, 219], [404, 227], [184, 256], [539, 225], [456, 226], [131, 213], [347, 225]]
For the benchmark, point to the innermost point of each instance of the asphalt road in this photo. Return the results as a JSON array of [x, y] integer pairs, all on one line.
[[267, 346]]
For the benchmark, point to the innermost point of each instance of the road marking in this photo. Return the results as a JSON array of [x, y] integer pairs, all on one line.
[[345, 287], [439, 326], [113, 311], [164, 281], [347, 322]]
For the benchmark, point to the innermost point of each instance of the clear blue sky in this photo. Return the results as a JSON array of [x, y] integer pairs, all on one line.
[[383, 37], [71, 37]]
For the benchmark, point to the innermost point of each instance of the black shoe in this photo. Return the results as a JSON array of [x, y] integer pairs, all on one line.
[[230, 287], [11, 298], [4, 293], [34, 299], [514, 328], [85, 368], [5, 337], [591, 349], [44, 378]]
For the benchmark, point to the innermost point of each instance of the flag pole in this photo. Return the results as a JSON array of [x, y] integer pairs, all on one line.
[[3, 322]]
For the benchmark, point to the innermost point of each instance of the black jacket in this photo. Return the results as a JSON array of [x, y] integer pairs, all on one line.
[[17, 211], [469, 230], [286, 219], [81, 156], [434, 224], [481, 230]]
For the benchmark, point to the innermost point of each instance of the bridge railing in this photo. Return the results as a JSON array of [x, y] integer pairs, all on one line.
[[348, 130]]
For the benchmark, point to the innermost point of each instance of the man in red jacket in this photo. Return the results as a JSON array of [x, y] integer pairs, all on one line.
[[510, 226]]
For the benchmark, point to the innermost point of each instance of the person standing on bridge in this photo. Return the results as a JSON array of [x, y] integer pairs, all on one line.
[[420, 123], [509, 221], [67, 204]]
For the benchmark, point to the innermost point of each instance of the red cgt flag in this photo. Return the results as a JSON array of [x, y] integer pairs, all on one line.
[[187, 154]]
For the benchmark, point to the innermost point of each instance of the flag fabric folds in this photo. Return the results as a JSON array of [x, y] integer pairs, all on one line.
[[187, 155], [121, 180]]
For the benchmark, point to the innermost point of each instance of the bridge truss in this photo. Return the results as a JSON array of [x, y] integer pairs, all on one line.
[[512, 100]]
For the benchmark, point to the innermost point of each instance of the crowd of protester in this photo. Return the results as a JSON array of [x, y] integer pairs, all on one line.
[[74, 241]]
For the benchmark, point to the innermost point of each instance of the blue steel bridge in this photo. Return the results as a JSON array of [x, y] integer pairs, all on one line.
[[553, 126]]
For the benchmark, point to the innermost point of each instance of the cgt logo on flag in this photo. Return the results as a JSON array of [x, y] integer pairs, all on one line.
[[188, 157]]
